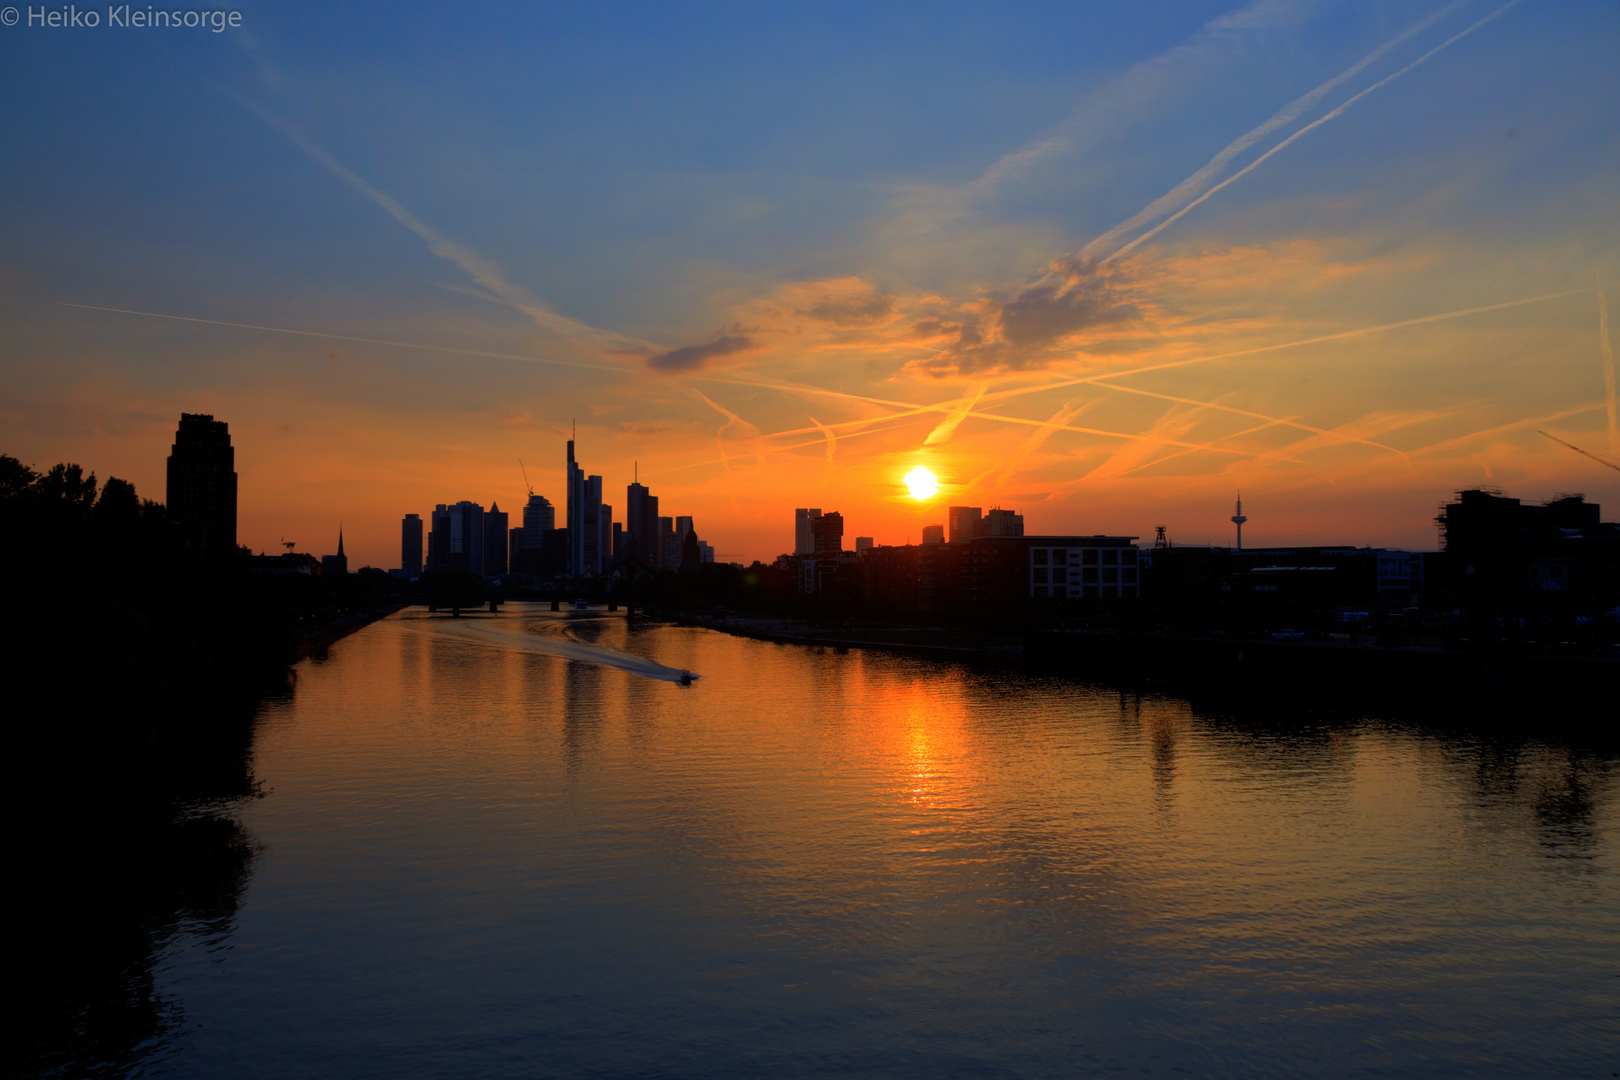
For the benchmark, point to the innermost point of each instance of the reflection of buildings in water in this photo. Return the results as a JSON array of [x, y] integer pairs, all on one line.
[[1549, 792], [87, 961], [582, 701]]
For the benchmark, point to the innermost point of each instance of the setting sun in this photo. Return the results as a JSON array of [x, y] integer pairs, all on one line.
[[922, 483]]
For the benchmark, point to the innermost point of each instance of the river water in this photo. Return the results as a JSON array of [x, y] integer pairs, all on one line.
[[514, 845]]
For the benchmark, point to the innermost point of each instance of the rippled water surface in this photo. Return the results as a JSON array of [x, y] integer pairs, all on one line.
[[483, 853]]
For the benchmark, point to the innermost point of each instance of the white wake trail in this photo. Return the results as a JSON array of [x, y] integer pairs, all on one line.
[[520, 635]]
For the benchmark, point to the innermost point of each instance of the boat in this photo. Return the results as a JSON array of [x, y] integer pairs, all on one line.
[[686, 677]]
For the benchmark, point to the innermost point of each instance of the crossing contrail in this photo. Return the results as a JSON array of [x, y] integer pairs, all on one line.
[[1313, 125], [948, 426], [1194, 184]]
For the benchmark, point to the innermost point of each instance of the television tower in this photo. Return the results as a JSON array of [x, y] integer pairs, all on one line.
[[1238, 519]]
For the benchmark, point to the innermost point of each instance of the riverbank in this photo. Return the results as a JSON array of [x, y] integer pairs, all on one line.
[[1351, 664]]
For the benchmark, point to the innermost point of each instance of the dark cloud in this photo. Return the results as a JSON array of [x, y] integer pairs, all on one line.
[[861, 309], [693, 357], [1083, 296], [1076, 296]]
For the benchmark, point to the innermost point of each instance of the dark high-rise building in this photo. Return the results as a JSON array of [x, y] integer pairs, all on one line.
[[965, 522], [804, 541], [202, 482], [828, 533], [495, 541], [438, 553], [585, 528], [539, 518], [641, 524], [669, 545], [457, 539], [410, 545]]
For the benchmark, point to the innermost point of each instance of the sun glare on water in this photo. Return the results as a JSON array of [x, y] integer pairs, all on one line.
[[921, 483]]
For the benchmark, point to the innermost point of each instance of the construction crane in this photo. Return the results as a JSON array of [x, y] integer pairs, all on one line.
[[1585, 453], [526, 478]]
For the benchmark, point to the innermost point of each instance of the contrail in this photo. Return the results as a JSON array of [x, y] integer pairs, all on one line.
[[832, 439], [1608, 369], [1385, 81], [1194, 184], [1271, 420], [1583, 453], [480, 269], [912, 409], [948, 426], [603, 366]]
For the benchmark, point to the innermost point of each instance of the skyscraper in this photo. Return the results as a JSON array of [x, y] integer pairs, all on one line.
[[410, 545], [438, 553], [965, 523], [457, 539], [585, 531], [828, 534], [202, 482], [804, 538], [495, 541], [539, 518], [641, 524], [999, 522]]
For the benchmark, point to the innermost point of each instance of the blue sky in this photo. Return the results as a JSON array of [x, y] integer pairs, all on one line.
[[870, 200]]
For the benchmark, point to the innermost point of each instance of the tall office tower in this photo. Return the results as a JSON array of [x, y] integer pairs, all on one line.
[[999, 522], [933, 534], [706, 550], [495, 540], [576, 514], [604, 540], [641, 524], [202, 482], [683, 525], [669, 545], [410, 545], [620, 552], [464, 549], [864, 543], [439, 539], [829, 533], [585, 529], [804, 539], [591, 541], [966, 522], [539, 518]]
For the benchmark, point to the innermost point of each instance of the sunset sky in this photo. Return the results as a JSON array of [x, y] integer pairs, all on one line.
[[1107, 265]]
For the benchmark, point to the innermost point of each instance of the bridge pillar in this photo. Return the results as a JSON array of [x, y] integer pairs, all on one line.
[[613, 605], [432, 607], [556, 605], [455, 612], [494, 605]]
